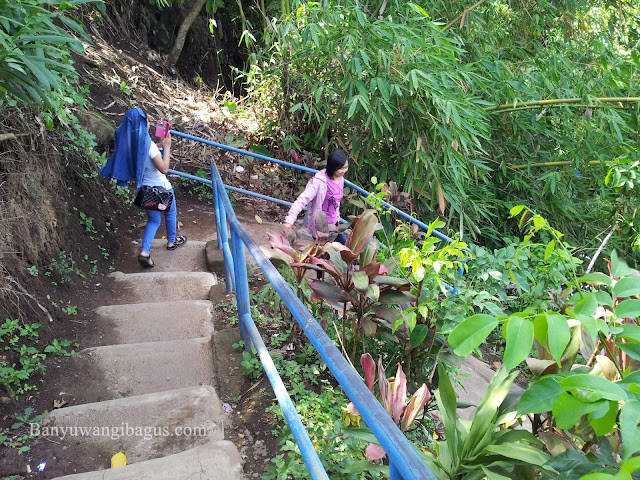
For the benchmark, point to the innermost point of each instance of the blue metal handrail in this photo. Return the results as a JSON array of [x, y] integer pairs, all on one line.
[[404, 461], [387, 205]]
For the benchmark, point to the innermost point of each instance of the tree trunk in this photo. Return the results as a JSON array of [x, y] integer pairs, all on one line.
[[176, 50]]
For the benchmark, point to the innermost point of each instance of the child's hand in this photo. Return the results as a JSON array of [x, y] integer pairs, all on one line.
[[165, 142]]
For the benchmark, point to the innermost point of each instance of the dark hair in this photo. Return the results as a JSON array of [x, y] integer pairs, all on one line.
[[336, 161]]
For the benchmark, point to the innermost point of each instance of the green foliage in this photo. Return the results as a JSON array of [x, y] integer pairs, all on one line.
[[202, 190], [480, 448], [22, 360], [35, 50], [526, 102], [19, 434]]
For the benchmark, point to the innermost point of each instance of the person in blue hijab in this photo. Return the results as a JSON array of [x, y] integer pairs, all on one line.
[[137, 157]]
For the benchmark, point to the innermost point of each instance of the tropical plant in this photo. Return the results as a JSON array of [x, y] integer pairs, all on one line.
[[35, 50], [393, 395], [481, 448], [362, 290], [584, 395]]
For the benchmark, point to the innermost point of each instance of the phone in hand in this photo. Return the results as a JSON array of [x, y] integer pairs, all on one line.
[[163, 128]]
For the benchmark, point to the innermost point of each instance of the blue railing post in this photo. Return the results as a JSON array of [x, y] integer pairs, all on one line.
[[216, 209], [242, 286], [394, 474]]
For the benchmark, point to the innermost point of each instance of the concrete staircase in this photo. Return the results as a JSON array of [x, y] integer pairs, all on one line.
[[154, 398]]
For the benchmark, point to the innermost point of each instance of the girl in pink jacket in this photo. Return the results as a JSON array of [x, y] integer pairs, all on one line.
[[325, 190]]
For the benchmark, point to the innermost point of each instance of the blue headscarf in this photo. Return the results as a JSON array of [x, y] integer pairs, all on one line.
[[132, 142]]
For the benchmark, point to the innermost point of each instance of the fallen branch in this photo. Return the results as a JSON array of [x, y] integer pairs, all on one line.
[[12, 136], [27, 294]]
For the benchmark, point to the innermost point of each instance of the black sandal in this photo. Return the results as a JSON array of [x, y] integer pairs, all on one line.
[[146, 262], [181, 240]]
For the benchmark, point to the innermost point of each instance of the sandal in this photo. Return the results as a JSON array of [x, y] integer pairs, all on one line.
[[181, 240], [146, 261]]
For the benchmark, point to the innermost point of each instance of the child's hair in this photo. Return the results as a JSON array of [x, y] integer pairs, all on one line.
[[336, 161]]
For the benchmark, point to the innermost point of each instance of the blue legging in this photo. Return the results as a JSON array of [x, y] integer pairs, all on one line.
[[154, 218]]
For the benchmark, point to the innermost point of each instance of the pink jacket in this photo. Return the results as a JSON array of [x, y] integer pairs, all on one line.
[[315, 192]]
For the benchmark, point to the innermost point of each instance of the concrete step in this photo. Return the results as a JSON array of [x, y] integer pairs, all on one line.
[[212, 461], [141, 368], [143, 427], [149, 287], [186, 258], [154, 322]]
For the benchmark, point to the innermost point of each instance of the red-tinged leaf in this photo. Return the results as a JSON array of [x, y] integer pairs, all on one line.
[[371, 269], [276, 255], [369, 369], [369, 327], [395, 297], [287, 250], [309, 266], [416, 404], [391, 315], [399, 396], [328, 292], [393, 281], [383, 270], [385, 388], [364, 227], [327, 266], [374, 452], [542, 367], [352, 410]]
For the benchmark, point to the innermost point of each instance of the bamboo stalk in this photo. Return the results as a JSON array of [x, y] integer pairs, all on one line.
[[554, 164], [572, 105], [555, 101], [464, 12]]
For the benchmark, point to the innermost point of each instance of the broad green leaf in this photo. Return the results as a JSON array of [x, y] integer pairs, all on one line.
[[592, 388], [604, 418], [549, 250], [418, 334], [628, 309], [604, 298], [516, 210], [519, 338], [597, 476], [587, 305], [361, 466], [446, 400], [360, 281], [619, 267], [627, 287], [469, 334], [483, 419], [567, 410], [558, 335], [596, 278], [540, 396], [629, 419], [373, 292], [630, 332], [520, 451], [631, 349]]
